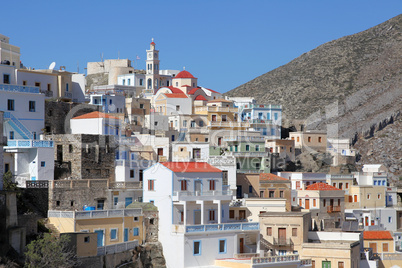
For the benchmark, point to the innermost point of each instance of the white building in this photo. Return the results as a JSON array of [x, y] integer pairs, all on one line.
[[193, 210], [95, 123], [111, 102], [374, 175]]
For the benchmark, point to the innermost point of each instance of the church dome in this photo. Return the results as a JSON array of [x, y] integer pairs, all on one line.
[[184, 74]]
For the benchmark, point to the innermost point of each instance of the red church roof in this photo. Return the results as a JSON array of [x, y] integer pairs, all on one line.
[[192, 91], [95, 114], [271, 177], [173, 89], [200, 97], [321, 187], [176, 95], [186, 167], [184, 74], [377, 235]]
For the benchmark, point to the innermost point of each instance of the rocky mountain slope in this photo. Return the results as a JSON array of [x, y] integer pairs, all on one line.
[[347, 86]]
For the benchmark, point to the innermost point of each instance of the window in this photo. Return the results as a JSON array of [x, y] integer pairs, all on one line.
[[319, 139], [368, 196], [66, 86], [276, 116], [347, 185], [136, 231], [294, 231], [312, 264], [128, 81], [113, 234], [57, 203], [24, 83], [390, 219], [100, 204], [136, 218], [201, 123], [184, 123], [341, 264], [379, 196], [192, 124], [247, 148], [280, 194], [269, 231], [314, 202], [151, 185], [115, 201], [261, 193], [197, 248], [10, 105], [131, 173], [250, 188], [37, 84], [11, 135], [222, 245], [177, 107], [231, 214], [141, 82], [271, 194], [257, 148], [298, 139], [384, 247], [324, 202], [212, 185], [212, 215], [326, 264], [224, 118], [43, 164], [184, 185], [309, 139], [87, 239], [6, 79]]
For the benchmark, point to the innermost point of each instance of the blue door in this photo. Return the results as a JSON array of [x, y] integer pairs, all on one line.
[[33, 178], [125, 234], [100, 237], [129, 200]]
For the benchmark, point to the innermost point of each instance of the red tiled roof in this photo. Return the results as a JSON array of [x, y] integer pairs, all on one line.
[[200, 97], [173, 89], [212, 90], [185, 167], [95, 114], [321, 187], [219, 100], [184, 74], [176, 95], [377, 235], [152, 43], [191, 92], [271, 177]]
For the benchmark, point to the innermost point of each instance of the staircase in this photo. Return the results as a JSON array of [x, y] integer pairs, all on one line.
[[182, 136], [18, 126], [265, 244], [53, 230]]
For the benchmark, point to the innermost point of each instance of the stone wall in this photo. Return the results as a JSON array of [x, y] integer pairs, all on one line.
[[151, 223], [81, 156], [58, 114], [106, 261]]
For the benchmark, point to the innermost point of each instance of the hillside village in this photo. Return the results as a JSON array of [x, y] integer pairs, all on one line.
[[130, 163]]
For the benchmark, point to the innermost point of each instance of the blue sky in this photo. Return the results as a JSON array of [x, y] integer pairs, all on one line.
[[223, 43]]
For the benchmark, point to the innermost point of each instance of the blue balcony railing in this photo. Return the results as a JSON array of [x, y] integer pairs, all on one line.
[[16, 88], [30, 143]]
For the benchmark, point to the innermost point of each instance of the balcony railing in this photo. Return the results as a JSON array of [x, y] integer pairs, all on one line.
[[141, 163], [216, 109], [266, 106], [332, 209], [245, 139], [276, 259], [15, 88], [228, 227], [283, 242], [247, 154], [222, 161], [95, 214], [260, 121], [116, 248], [30, 143], [68, 95], [199, 193], [125, 185], [228, 124], [48, 93]]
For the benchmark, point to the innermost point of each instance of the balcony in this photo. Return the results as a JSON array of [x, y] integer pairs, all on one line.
[[126, 185], [260, 121], [228, 124], [225, 194], [333, 209], [47, 93], [282, 242], [216, 109], [141, 163], [247, 154], [201, 130], [245, 139], [30, 144], [265, 106], [221, 161], [19, 89], [95, 214], [224, 227]]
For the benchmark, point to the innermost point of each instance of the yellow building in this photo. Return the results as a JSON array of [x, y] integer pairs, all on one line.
[[221, 115], [379, 241], [111, 226], [366, 197]]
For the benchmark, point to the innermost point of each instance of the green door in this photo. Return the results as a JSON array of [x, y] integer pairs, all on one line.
[[326, 264]]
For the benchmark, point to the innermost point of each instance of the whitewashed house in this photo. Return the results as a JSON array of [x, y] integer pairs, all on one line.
[[193, 207], [95, 123]]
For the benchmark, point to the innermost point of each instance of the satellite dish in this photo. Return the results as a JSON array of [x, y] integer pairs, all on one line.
[[52, 65]]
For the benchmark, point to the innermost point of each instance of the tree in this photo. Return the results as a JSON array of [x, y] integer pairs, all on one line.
[[51, 252], [8, 182]]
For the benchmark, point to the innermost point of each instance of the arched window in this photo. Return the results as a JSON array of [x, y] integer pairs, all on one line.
[[149, 83]]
